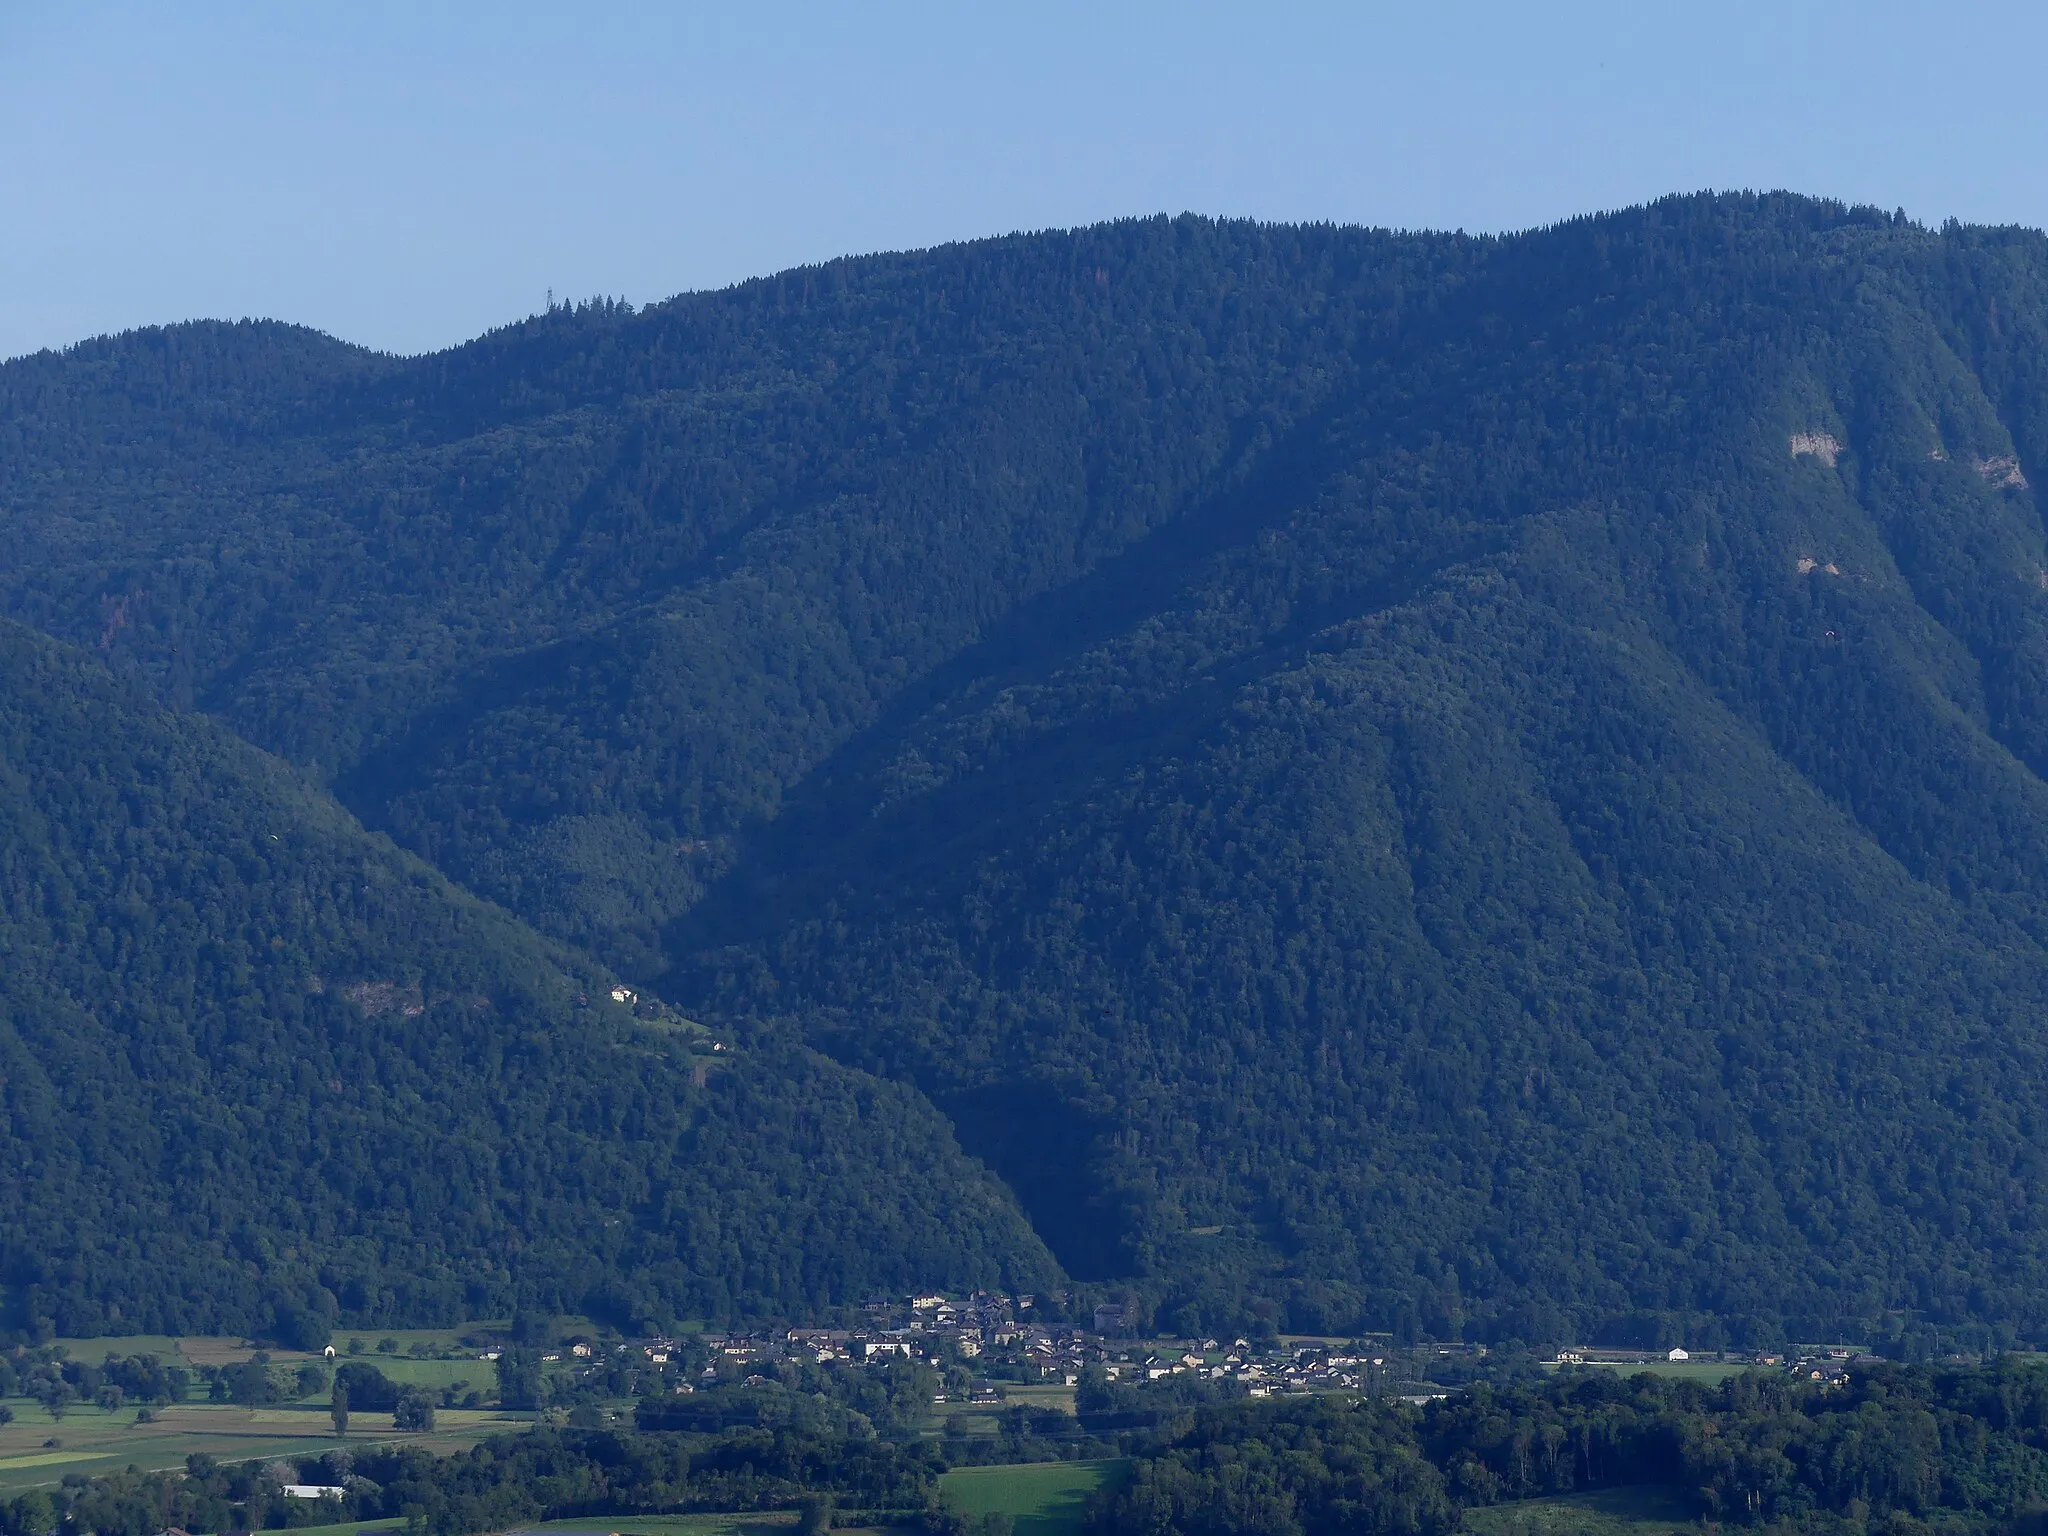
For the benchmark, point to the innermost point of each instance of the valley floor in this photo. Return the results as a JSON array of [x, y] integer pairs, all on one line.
[[92, 1441]]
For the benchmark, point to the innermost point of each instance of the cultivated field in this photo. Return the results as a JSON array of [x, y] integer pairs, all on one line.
[[664, 1525], [91, 1441], [481, 1375], [749, 1524], [465, 1370], [1043, 1498], [1061, 1398]]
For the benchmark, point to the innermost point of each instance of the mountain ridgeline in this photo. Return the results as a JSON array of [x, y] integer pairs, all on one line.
[[1483, 787]]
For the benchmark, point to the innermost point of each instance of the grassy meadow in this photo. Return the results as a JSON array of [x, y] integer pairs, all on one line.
[[1043, 1498], [1040, 1396], [92, 1441], [401, 1366], [666, 1525]]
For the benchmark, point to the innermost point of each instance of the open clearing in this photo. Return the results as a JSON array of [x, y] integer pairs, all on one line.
[[466, 1372], [1044, 1498], [162, 1345], [92, 1441], [601, 1525], [224, 1349], [44, 1459], [436, 1374], [406, 1338], [1610, 1512], [664, 1525], [1040, 1396]]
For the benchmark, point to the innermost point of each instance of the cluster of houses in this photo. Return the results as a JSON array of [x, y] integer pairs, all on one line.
[[1002, 1339], [987, 1328], [1306, 1368], [1005, 1339]]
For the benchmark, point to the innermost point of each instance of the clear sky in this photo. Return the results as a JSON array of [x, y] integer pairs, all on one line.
[[407, 175]]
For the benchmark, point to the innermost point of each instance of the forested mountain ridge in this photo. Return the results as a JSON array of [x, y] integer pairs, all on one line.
[[261, 1070], [577, 548], [1386, 780]]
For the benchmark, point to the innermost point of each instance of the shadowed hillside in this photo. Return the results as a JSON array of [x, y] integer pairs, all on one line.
[[262, 1071], [1393, 781]]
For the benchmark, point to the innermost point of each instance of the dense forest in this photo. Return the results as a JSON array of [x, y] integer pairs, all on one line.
[[261, 1070], [1896, 1450], [1465, 786], [1890, 1449]]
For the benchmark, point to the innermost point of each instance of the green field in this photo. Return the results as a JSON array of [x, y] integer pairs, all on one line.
[[1045, 1396], [400, 1367], [436, 1374], [1645, 1511], [433, 1338], [1044, 1498], [221, 1348], [162, 1345], [986, 1418], [348, 1528], [663, 1525], [44, 1459], [91, 1441]]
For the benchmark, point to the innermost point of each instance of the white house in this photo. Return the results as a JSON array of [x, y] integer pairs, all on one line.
[[1678, 1354]]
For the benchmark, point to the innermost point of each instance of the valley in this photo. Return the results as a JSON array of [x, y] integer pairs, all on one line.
[[1033, 770]]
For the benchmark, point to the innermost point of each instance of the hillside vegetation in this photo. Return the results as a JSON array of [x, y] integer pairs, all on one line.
[[262, 1070], [1399, 781]]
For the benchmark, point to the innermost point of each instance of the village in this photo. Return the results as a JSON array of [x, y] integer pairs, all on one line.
[[987, 1343]]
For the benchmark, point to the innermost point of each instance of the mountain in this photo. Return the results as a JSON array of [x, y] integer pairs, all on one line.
[[261, 1071], [1464, 786]]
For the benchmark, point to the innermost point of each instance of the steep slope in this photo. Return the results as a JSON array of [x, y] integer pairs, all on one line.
[[1381, 780], [1577, 867], [565, 610], [261, 1070]]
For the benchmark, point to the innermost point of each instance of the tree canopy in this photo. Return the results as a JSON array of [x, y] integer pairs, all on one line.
[[1456, 785], [262, 1070]]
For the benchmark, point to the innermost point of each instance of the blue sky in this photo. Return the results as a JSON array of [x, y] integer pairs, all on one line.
[[408, 175]]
